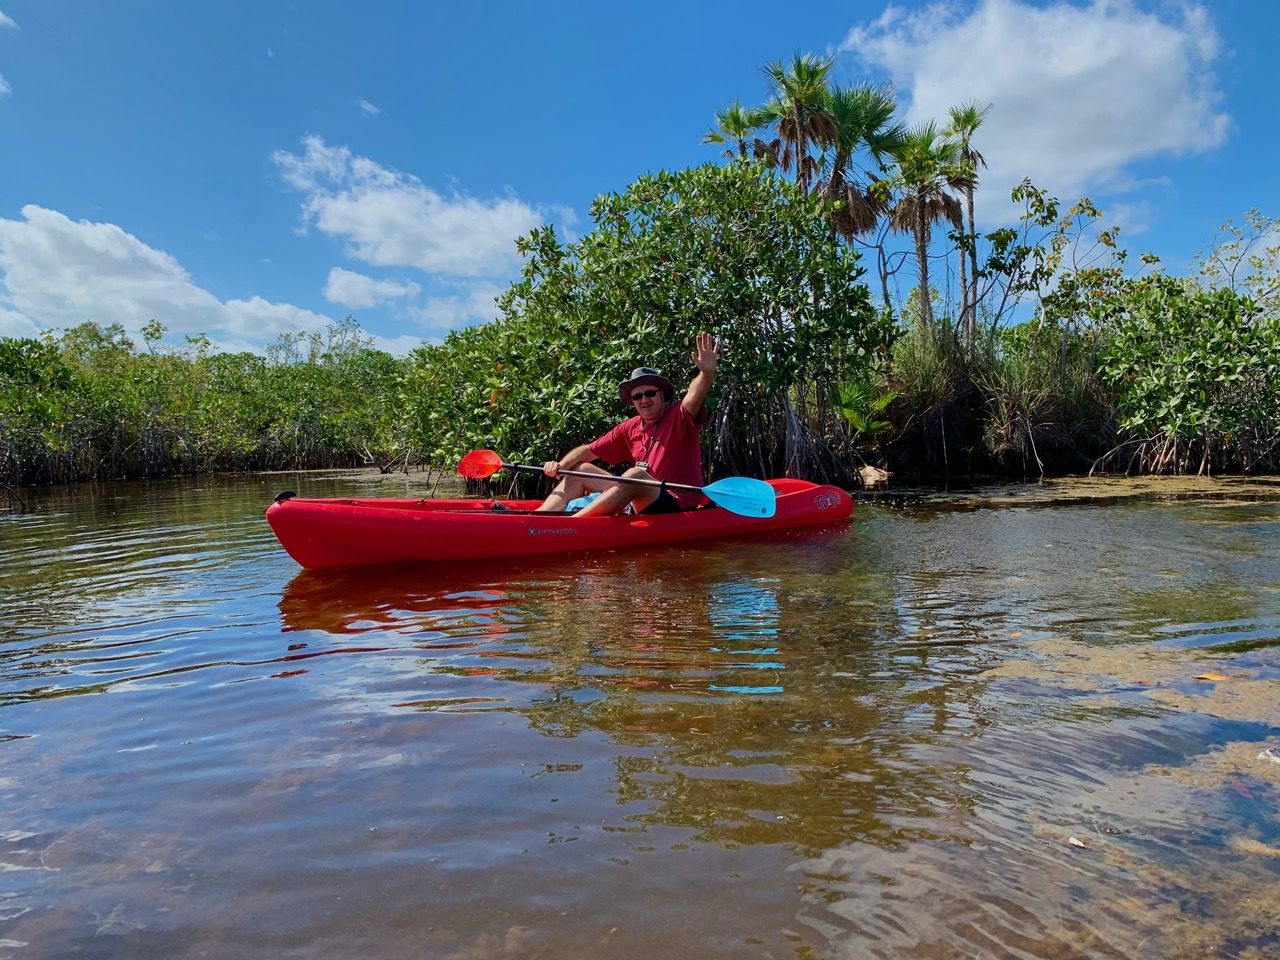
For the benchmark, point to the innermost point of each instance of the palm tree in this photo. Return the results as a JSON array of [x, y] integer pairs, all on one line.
[[926, 166], [737, 124], [965, 120], [861, 118], [800, 110]]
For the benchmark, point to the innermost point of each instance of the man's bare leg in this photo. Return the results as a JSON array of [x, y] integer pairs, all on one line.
[[617, 495], [570, 488]]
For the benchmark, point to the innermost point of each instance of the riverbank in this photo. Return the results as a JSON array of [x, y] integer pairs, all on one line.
[[1085, 489]]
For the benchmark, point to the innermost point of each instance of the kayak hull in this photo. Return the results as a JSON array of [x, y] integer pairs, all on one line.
[[338, 532]]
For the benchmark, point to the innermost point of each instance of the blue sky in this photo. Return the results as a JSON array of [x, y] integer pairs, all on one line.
[[244, 169]]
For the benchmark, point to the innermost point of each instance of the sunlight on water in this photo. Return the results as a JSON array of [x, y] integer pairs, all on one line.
[[951, 730]]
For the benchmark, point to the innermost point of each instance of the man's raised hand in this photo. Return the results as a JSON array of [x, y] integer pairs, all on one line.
[[706, 354]]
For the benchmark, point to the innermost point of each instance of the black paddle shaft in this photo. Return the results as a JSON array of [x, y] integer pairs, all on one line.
[[604, 477]]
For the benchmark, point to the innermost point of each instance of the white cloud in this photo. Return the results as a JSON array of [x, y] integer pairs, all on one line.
[[258, 317], [356, 290], [369, 108], [396, 346], [219, 345], [475, 305], [1079, 92], [59, 272], [1133, 219], [390, 219], [7, 21], [14, 324], [5, 89]]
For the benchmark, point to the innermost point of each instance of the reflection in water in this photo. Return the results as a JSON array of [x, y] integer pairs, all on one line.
[[617, 647], [875, 741], [617, 613], [745, 616]]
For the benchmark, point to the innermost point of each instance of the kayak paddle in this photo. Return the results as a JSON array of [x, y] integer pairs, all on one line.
[[741, 495]]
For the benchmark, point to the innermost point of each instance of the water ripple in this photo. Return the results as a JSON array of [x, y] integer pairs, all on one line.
[[875, 742]]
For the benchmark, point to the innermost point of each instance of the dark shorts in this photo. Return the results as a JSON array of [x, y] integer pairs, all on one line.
[[665, 503]]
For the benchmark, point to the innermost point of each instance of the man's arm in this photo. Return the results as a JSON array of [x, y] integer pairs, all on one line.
[[706, 356], [575, 457]]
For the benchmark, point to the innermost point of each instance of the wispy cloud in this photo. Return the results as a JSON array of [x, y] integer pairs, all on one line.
[[396, 346], [14, 324], [6, 21], [58, 272], [1080, 92], [357, 290], [369, 108], [392, 219], [1135, 218], [474, 304]]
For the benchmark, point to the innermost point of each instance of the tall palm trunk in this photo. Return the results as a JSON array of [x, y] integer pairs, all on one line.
[[965, 120], [922, 258], [971, 315], [802, 150], [926, 167]]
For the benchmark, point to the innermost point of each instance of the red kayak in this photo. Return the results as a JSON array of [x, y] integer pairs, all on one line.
[[335, 532]]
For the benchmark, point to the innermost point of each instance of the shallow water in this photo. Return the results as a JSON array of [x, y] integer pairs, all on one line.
[[871, 741]]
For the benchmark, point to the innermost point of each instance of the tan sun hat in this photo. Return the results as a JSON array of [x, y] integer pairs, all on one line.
[[644, 376]]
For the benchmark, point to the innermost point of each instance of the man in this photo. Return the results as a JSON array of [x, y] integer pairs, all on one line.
[[661, 440]]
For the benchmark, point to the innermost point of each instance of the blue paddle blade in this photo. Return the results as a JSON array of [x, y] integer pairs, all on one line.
[[743, 496]]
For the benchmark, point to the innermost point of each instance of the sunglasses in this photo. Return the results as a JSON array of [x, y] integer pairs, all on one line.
[[644, 395]]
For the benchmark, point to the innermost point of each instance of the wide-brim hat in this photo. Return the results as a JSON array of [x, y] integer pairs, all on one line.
[[644, 376]]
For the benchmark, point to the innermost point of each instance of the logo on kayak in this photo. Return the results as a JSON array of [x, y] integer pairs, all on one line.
[[546, 531], [826, 501]]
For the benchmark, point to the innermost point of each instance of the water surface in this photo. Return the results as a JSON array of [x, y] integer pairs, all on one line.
[[878, 740]]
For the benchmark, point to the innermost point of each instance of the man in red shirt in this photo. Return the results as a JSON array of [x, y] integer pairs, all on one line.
[[661, 440]]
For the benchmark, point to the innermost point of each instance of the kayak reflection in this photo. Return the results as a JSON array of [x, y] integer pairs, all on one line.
[[645, 621], [729, 683], [361, 599]]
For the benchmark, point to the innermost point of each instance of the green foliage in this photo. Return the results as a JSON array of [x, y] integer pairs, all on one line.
[[1166, 368], [863, 406], [86, 405], [929, 367], [929, 371], [1063, 261], [1043, 400], [733, 250], [1024, 398], [1187, 363], [34, 390], [1246, 259]]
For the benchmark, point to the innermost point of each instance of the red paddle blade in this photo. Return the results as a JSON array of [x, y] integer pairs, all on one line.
[[479, 464]]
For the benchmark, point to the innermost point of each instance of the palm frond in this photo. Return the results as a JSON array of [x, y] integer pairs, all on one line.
[[963, 122]]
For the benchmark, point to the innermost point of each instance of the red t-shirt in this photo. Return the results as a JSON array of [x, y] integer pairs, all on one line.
[[670, 447]]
